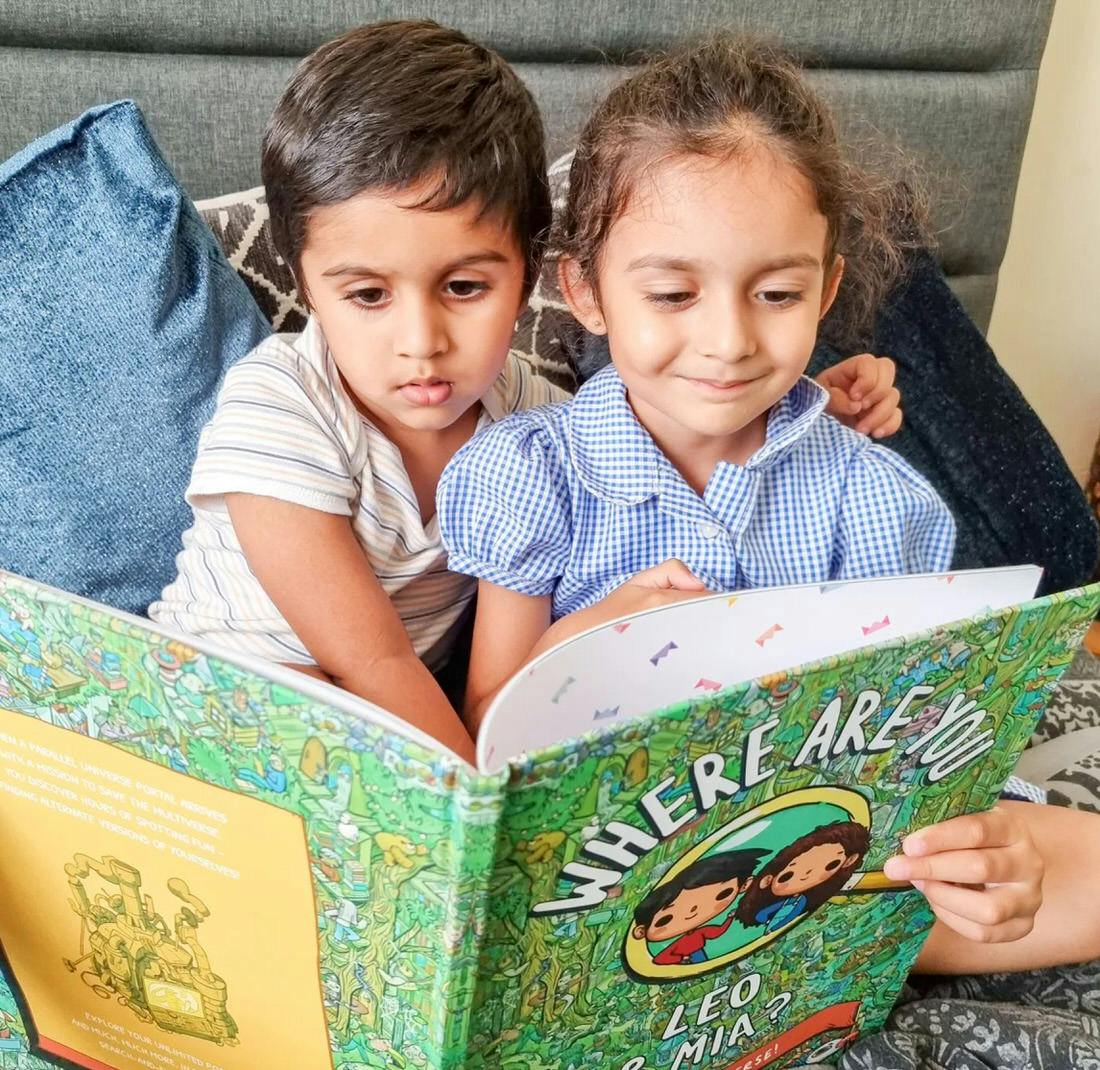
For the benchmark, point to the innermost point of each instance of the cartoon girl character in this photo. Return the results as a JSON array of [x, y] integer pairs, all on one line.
[[682, 906], [802, 876]]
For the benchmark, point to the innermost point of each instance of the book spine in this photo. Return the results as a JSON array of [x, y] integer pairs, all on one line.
[[478, 804]]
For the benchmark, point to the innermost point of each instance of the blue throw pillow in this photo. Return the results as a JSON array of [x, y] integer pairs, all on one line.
[[118, 318]]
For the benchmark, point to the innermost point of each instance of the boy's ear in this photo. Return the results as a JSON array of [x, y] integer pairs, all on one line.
[[580, 296], [639, 932], [832, 284], [765, 880]]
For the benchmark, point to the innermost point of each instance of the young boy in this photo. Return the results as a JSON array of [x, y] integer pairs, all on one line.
[[406, 180]]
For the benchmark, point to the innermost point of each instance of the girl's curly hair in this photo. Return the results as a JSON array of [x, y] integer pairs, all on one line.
[[722, 96]]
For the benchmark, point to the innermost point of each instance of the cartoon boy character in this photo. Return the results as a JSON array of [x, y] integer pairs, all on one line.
[[682, 906], [802, 876]]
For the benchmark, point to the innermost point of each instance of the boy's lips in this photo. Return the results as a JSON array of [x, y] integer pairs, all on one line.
[[426, 391]]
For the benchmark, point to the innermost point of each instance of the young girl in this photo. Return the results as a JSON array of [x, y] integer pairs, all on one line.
[[711, 217], [406, 182]]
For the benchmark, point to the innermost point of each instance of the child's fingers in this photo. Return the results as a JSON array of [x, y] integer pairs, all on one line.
[[672, 574], [840, 404], [986, 906], [998, 865], [872, 376], [993, 828], [891, 427], [880, 412], [1013, 929]]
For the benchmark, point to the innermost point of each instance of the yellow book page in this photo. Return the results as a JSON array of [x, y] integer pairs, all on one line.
[[150, 920]]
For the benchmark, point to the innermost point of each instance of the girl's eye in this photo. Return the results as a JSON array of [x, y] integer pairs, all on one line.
[[670, 300], [466, 288], [783, 877], [368, 297], [779, 298]]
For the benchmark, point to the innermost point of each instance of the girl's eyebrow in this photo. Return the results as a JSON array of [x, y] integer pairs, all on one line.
[[668, 263], [485, 256], [678, 263]]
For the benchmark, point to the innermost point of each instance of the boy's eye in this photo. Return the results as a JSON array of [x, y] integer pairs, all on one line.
[[466, 287], [670, 300], [834, 864], [783, 877], [725, 893], [662, 921], [779, 298], [369, 296]]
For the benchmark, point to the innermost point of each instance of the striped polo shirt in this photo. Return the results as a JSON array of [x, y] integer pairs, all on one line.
[[286, 428]]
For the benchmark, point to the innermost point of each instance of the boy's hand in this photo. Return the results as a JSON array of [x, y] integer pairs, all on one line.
[[862, 394], [981, 873]]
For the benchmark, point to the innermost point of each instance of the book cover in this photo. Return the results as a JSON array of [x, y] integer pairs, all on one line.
[[214, 864]]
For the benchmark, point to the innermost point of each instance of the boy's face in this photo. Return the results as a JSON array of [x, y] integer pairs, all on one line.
[[690, 909], [418, 307], [711, 286]]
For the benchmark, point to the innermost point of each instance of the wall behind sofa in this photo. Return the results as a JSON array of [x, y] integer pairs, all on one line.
[[1046, 320]]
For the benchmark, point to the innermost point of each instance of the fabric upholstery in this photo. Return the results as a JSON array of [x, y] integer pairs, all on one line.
[[108, 373], [955, 88]]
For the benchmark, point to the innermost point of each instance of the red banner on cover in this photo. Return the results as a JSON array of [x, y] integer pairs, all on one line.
[[838, 1016]]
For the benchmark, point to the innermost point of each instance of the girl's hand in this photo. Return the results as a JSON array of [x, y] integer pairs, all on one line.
[[862, 394], [670, 581], [981, 873]]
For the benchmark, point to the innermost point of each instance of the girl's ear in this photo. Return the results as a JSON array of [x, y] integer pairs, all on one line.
[[832, 284], [580, 296]]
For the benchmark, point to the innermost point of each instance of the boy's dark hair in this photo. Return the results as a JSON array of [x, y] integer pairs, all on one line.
[[726, 95], [714, 869], [392, 104], [852, 837]]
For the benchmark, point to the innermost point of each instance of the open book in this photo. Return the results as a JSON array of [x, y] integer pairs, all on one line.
[[669, 856]]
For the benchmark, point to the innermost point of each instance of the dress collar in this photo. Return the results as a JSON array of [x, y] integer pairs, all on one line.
[[617, 459]]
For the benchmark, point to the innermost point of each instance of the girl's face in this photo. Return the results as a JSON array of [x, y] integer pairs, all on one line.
[[809, 869], [710, 288]]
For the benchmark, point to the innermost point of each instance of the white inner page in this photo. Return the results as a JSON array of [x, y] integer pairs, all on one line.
[[664, 656]]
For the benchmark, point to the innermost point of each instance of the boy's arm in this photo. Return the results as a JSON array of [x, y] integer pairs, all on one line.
[[314, 570]]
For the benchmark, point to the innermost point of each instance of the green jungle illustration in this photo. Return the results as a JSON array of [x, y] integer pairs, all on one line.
[[162, 974], [426, 874]]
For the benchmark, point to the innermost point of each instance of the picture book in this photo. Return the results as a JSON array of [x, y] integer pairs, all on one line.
[[669, 855]]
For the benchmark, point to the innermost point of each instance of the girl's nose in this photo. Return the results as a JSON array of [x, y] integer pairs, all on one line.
[[725, 330]]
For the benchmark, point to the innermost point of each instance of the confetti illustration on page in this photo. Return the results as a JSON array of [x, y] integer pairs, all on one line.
[[768, 633], [875, 626], [569, 681], [664, 652], [732, 598], [708, 685], [606, 715], [620, 628]]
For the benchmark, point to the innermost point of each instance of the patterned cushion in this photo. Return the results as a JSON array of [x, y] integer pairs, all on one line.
[[546, 331]]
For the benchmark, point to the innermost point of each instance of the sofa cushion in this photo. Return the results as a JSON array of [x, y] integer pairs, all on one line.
[[118, 316]]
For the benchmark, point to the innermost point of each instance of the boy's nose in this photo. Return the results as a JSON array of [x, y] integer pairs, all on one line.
[[419, 331]]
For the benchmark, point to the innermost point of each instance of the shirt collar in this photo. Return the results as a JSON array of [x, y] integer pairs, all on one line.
[[617, 459]]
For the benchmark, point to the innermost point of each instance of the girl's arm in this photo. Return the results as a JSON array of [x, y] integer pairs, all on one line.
[[314, 570], [511, 629]]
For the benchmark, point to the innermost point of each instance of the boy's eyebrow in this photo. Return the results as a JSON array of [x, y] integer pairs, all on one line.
[[485, 256]]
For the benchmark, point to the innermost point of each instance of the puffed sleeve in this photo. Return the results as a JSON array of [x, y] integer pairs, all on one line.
[[503, 506], [279, 430], [891, 520]]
